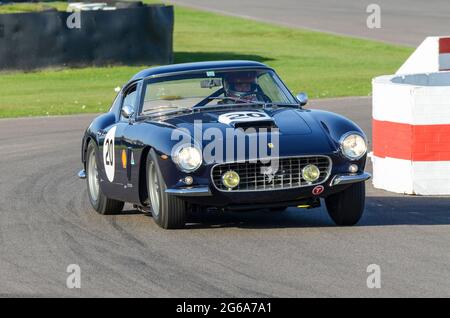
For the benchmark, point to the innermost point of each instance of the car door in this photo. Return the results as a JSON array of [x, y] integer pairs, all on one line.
[[116, 154]]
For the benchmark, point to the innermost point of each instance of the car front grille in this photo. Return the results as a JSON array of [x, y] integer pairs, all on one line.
[[258, 176]]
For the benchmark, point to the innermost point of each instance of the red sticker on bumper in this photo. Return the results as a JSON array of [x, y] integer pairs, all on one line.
[[318, 190]]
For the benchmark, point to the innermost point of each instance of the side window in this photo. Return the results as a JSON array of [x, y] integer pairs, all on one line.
[[270, 88], [129, 99]]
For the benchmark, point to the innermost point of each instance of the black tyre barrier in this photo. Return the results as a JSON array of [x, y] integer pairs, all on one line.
[[132, 36]]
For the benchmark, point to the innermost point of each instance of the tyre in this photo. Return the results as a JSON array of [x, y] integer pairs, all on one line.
[[347, 207], [168, 211], [99, 201]]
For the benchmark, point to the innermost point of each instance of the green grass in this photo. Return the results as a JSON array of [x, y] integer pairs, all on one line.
[[32, 7], [323, 65]]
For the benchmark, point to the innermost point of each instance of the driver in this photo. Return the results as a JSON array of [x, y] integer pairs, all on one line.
[[241, 85]]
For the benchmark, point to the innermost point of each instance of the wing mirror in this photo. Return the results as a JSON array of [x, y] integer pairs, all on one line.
[[302, 98], [127, 111]]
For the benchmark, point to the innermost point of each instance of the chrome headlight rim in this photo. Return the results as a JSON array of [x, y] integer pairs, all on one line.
[[176, 158], [345, 136]]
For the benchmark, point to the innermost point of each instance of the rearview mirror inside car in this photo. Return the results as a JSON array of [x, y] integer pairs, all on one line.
[[210, 83]]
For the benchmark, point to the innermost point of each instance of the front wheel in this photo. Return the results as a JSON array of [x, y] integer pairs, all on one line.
[[99, 201], [168, 211], [347, 207]]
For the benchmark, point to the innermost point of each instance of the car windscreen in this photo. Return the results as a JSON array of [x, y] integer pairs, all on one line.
[[213, 87]]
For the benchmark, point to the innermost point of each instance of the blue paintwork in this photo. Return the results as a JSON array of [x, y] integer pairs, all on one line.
[[302, 132], [198, 66]]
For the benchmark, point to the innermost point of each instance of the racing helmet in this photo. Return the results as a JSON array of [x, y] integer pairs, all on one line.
[[240, 84]]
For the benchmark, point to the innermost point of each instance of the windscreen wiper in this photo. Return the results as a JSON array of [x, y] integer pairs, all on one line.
[[234, 99], [227, 107], [243, 101], [153, 113]]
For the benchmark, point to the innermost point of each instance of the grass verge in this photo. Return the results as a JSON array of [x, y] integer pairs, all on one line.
[[321, 64], [32, 7]]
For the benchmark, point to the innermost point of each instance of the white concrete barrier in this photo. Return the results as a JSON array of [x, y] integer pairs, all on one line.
[[411, 133], [433, 55]]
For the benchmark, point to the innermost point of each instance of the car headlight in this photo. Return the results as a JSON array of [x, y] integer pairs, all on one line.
[[353, 146], [187, 158]]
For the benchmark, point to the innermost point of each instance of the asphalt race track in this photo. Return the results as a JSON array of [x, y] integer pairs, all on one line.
[[46, 224], [405, 22]]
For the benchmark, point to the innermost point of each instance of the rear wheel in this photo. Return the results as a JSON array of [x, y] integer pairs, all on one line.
[[168, 211], [99, 201], [347, 207]]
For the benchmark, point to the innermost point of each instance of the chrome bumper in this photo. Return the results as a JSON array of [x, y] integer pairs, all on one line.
[[190, 192], [349, 178]]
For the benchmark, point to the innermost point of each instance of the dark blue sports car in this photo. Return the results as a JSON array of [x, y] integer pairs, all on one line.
[[223, 135]]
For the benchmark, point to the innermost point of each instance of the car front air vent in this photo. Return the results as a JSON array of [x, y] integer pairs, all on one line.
[[268, 124]]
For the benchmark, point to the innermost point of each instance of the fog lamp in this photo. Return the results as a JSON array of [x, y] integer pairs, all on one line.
[[311, 173], [231, 179]]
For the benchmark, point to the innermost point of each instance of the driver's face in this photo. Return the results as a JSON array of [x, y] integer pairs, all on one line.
[[243, 87]]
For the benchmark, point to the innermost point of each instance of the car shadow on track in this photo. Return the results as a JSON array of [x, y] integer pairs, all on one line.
[[380, 211], [263, 219], [131, 212]]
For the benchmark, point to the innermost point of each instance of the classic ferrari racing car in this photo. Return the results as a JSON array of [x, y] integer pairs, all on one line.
[[223, 135]]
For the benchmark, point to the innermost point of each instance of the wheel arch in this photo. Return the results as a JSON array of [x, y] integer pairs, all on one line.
[[85, 148], [143, 191]]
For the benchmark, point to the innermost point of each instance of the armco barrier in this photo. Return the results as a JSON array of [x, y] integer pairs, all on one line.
[[141, 35], [411, 130]]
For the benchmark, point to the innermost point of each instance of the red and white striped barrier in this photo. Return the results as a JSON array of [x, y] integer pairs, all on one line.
[[433, 55], [411, 123], [411, 133]]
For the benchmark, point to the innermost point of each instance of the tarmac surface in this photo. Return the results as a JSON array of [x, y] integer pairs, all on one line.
[[46, 223], [405, 22]]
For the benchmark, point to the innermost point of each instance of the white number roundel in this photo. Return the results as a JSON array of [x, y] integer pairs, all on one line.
[[108, 154], [242, 116]]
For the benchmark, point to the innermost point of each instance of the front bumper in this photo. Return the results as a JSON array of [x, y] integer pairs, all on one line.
[[349, 178], [191, 191], [210, 196]]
